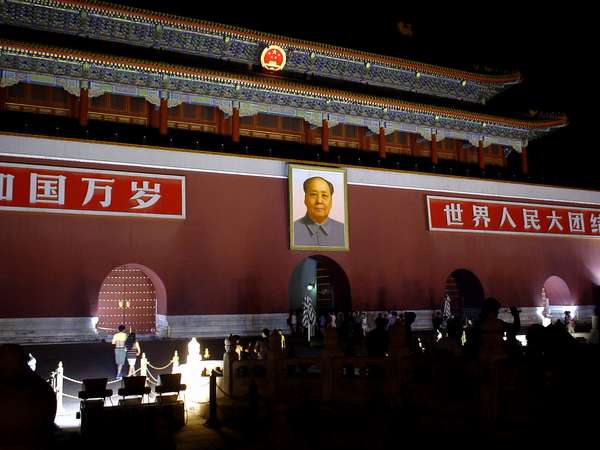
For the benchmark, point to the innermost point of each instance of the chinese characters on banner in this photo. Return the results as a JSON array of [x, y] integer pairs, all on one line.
[[25, 187], [487, 216]]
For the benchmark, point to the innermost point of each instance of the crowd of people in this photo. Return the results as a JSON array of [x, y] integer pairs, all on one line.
[[362, 333]]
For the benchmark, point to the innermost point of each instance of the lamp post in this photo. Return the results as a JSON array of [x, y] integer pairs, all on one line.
[[308, 315]]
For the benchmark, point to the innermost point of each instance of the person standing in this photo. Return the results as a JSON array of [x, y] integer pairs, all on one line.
[[262, 344], [118, 341], [132, 350], [364, 324]]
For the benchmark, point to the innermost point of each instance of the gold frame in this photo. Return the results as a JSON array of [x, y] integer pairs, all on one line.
[[291, 184]]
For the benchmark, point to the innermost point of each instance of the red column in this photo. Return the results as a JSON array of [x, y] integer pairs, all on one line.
[[325, 136], [163, 115], [84, 104], [2, 98], [235, 125], [524, 163], [460, 152], [381, 142], [220, 121], [480, 156], [307, 133], [362, 141], [412, 142], [434, 155]]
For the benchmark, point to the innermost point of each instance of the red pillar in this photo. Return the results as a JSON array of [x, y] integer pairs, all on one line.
[[362, 140], [307, 133], [325, 136], [480, 159], [381, 142], [84, 104], [235, 125], [412, 142], [2, 98], [434, 155], [524, 163], [220, 121], [163, 115]]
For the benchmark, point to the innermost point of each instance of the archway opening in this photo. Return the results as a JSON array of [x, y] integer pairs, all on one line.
[[465, 292], [329, 285], [557, 291], [131, 295]]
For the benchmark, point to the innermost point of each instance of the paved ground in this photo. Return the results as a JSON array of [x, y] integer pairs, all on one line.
[[93, 360]]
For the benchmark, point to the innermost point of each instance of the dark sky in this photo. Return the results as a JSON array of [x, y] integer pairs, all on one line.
[[551, 48]]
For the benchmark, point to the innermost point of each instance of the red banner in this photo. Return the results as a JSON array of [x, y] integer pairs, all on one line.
[[67, 190], [487, 216]]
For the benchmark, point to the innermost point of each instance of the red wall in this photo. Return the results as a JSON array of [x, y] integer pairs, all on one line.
[[231, 254]]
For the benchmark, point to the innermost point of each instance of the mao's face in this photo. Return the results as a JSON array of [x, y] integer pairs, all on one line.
[[317, 200]]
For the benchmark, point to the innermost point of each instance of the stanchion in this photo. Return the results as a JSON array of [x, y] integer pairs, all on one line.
[[59, 387], [175, 362], [143, 365], [213, 420]]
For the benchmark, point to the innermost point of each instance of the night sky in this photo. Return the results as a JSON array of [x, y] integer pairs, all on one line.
[[551, 48]]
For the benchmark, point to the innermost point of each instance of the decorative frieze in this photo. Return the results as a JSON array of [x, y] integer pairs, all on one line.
[[134, 79]]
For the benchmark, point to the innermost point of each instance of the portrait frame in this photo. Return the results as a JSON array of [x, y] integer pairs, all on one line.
[[298, 211]]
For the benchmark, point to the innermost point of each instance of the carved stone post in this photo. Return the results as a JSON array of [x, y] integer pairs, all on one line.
[[228, 358]]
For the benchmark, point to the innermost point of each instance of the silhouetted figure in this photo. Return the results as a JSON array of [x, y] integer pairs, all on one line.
[[536, 342], [28, 404], [449, 344], [262, 344], [380, 321], [409, 318], [436, 320], [377, 339], [291, 323], [487, 333]]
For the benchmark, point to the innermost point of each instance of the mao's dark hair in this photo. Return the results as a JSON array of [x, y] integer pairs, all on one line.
[[308, 180]]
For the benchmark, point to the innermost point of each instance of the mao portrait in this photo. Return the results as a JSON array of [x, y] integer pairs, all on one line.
[[318, 208]]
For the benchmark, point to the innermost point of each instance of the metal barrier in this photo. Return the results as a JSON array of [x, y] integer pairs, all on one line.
[[58, 378]]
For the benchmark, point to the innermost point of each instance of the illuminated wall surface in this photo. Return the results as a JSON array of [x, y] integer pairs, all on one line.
[[230, 253]]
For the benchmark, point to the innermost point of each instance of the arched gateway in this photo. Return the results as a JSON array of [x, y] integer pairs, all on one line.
[[330, 288], [466, 293], [130, 295], [557, 291]]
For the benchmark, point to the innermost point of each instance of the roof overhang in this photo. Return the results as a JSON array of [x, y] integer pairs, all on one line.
[[73, 70], [136, 27]]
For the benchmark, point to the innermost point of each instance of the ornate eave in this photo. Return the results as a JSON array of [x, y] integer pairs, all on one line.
[[72, 70], [177, 34]]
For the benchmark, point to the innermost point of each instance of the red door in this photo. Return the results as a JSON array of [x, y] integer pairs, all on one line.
[[127, 297]]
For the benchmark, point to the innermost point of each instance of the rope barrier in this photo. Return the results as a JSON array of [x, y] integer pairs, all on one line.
[[235, 397], [72, 380], [161, 368], [70, 396]]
